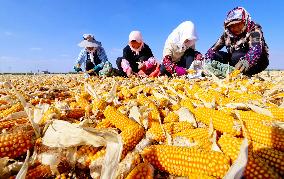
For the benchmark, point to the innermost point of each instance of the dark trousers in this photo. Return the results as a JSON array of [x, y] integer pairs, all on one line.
[[90, 65], [185, 62], [234, 58]]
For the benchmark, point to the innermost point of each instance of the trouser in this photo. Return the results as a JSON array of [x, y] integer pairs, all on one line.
[[185, 62], [90, 65], [234, 58]]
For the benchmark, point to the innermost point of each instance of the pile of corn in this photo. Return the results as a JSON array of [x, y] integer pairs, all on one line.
[[176, 115]]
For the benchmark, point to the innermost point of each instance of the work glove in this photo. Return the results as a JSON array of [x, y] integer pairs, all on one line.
[[77, 69]]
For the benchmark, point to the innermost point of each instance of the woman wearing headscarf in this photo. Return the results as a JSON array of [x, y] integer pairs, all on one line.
[[179, 50], [135, 57], [92, 57], [244, 41]]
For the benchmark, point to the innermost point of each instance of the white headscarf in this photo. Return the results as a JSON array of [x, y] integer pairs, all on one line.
[[185, 30], [137, 36]]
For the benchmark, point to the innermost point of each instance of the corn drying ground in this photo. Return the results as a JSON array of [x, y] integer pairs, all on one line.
[[170, 127]]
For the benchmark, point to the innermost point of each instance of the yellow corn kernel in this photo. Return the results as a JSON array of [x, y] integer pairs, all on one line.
[[118, 119], [230, 146], [156, 132], [252, 116], [15, 108], [175, 127], [7, 124], [187, 104], [171, 117], [52, 112], [278, 113], [131, 137], [221, 120], [272, 157], [143, 170], [257, 168], [184, 161], [266, 133], [16, 143]]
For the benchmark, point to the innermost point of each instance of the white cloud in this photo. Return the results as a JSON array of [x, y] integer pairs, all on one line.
[[35, 48]]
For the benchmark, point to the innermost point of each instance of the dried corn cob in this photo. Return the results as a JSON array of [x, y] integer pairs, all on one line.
[[272, 157], [171, 117], [15, 108], [187, 103], [99, 154], [39, 172], [278, 113], [131, 137], [119, 120], [143, 170], [16, 143], [99, 105], [75, 113], [7, 124], [184, 161], [230, 146], [52, 112], [252, 116], [257, 168], [175, 127], [105, 123], [266, 133], [156, 132], [198, 138], [221, 120]]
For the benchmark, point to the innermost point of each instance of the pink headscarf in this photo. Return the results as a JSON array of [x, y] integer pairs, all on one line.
[[136, 35]]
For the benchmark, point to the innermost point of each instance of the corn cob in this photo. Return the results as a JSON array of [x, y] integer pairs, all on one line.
[[131, 137], [198, 138], [119, 120], [257, 168], [75, 113], [266, 133], [15, 108], [126, 93], [164, 112], [230, 146], [143, 170], [272, 157], [39, 172], [86, 154], [278, 113], [171, 117], [105, 123], [221, 120], [154, 114], [175, 127], [252, 116], [16, 143], [99, 105], [52, 112], [187, 103], [156, 132], [184, 161], [99, 154], [7, 124]]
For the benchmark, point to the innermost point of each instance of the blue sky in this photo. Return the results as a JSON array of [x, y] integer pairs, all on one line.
[[43, 34]]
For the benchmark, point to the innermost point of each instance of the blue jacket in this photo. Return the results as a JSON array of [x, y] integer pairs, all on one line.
[[100, 53]]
